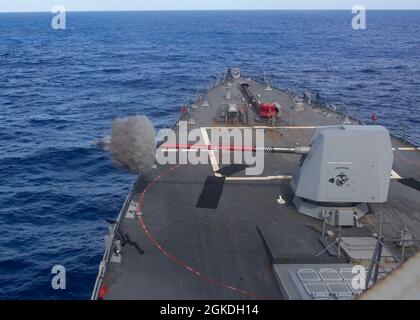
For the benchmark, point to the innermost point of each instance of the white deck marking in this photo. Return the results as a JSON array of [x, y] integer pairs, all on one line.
[[213, 160], [161, 149], [281, 177], [262, 127], [182, 150], [406, 149], [132, 210], [395, 175]]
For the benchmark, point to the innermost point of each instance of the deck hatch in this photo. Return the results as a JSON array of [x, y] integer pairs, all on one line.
[[317, 290], [330, 275], [347, 274], [308, 275], [340, 290]]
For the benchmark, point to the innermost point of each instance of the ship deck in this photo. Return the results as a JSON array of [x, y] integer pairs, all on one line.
[[205, 232]]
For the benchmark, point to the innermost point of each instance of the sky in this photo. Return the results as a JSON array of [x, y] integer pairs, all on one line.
[[106, 5]]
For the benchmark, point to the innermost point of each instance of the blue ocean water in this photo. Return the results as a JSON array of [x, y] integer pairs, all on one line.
[[59, 91]]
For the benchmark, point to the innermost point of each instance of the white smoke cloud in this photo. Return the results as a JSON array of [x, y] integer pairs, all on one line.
[[133, 144]]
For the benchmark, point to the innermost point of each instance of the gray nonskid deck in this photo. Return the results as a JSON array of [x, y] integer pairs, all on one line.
[[197, 253]]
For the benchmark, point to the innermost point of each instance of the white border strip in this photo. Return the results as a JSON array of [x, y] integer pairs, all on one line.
[[395, 175], [406, 149], [212, 157], [259, 178], [262, 127]]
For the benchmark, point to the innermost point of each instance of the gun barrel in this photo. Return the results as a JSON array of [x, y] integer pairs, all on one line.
[[194, 147]]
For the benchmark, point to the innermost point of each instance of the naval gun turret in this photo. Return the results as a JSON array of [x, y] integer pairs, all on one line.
[[346, 168]]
